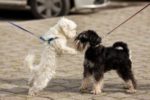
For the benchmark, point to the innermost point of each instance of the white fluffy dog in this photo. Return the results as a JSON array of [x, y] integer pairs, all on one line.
[[55, 43]]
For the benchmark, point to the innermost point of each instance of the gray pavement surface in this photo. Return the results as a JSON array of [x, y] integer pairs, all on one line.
[[15, 45]]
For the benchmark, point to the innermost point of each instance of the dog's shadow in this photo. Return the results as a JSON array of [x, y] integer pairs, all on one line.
[[14, 86], [20, 86], [57, 85], [114, 87], [64, 85]]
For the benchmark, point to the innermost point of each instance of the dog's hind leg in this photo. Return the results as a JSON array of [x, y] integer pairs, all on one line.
[[127, 75], [30, 81], [131, 88], [38, 85]]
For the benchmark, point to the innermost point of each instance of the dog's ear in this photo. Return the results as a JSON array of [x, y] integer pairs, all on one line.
[[68, 27], [62, 23], [94, 39], [82, 37]]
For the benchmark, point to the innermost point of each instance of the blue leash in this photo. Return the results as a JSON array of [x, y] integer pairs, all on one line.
[[49, 40], [31, 33]]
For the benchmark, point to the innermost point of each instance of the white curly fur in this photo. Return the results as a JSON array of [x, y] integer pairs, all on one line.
[[44, 71]]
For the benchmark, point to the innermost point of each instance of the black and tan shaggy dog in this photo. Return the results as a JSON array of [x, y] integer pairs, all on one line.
[[100, 59]]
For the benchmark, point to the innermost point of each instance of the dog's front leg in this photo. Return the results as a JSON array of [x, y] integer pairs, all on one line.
[[62, 47], [69, 50], [85, 83], [97, 87], [98, 82]]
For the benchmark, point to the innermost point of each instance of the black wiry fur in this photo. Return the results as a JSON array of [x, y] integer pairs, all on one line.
[[104, 59]]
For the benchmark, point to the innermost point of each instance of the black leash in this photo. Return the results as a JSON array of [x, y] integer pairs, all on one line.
[[128, 19]]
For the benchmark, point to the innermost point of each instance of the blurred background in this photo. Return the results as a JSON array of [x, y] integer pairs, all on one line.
[[17, 10]]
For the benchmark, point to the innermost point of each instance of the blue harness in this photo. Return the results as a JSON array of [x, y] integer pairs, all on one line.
[[49, 40]]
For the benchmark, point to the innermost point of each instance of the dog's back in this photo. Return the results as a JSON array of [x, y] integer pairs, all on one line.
[[116, 55]]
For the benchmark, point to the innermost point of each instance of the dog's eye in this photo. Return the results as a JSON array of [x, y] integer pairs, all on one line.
[[84, 36]]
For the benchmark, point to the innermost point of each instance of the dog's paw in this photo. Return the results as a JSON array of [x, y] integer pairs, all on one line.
[[96, 91], [29, 83], [126, 87], [131, 91], [83, 90], [31, 92]]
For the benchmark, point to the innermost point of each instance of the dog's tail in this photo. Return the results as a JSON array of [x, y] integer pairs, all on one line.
[[29, 60], [121, 46]]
